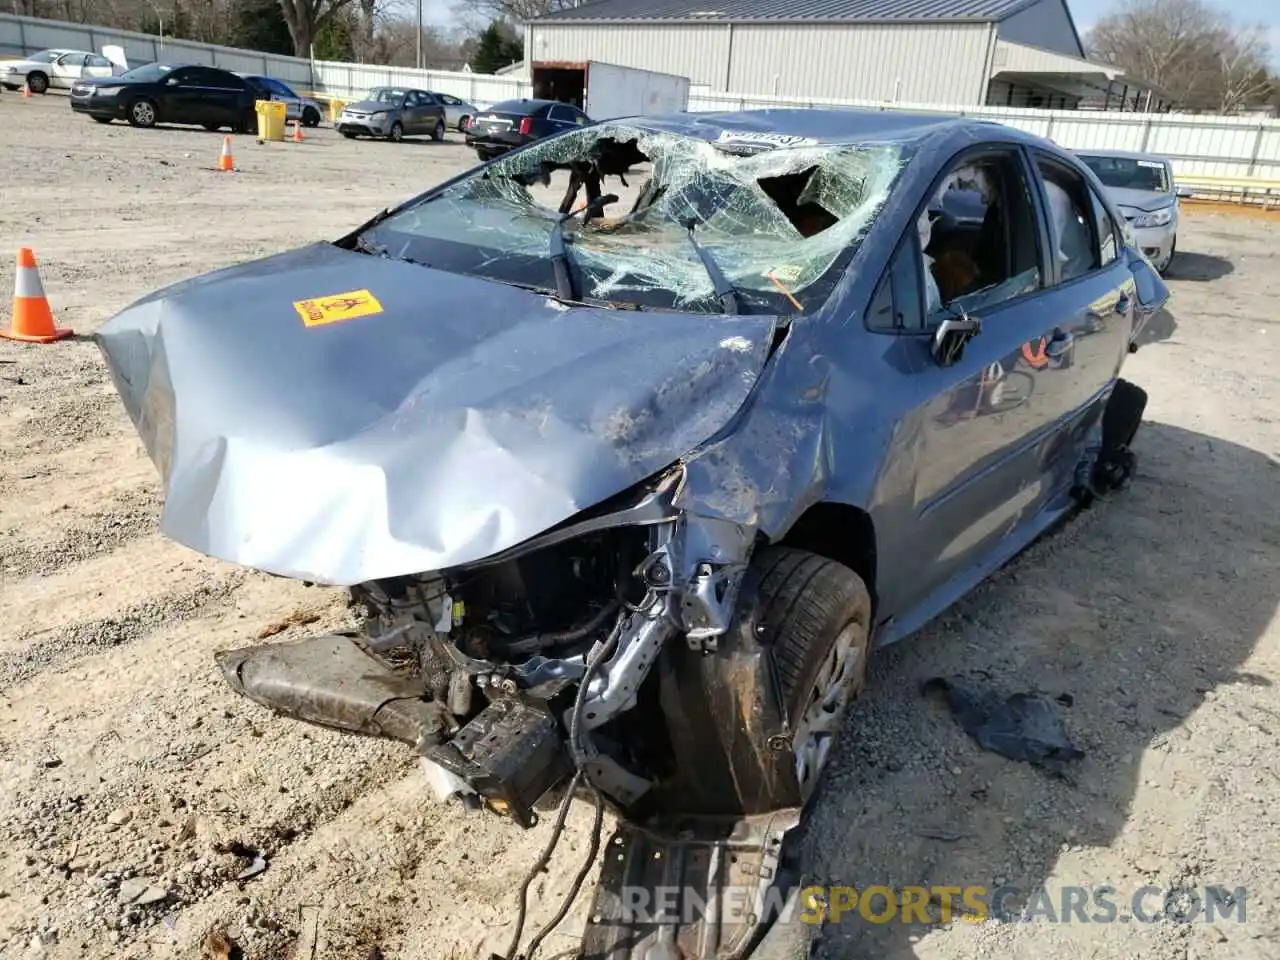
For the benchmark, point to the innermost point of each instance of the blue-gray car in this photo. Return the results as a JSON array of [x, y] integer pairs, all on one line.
[[629, 494]]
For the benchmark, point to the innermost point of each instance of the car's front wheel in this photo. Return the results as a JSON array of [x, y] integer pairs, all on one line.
[[756, 721], [37, 82], [462, 123], [142, 113], [437, 133], [103, 119], [311, 117], [211, 127], [396, 133]]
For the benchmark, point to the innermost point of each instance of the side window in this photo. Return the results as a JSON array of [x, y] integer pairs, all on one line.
[[1072, 229], [976, 236], [97, 61], [1105, 228]]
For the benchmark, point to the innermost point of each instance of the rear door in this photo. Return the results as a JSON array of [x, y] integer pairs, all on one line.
[[96, 66]]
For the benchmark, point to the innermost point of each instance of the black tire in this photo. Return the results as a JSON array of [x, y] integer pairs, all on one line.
[[310, 117], [103, 119], [437, 133], [462, 123], [396, 133], [37, 82], [1120, 422], [212, 127], [728, 711], [348, 134], [142, 113]]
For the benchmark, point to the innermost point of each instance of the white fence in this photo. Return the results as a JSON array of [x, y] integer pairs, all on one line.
[[1197, 145], [21, 35]]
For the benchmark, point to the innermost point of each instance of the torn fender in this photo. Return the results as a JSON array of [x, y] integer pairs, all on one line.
[[441, 420]]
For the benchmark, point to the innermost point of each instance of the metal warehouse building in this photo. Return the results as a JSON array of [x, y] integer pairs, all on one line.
[[962, 52]]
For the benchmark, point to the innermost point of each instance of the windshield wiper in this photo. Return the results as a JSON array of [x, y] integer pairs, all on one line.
[[723, 288], [560, 256]]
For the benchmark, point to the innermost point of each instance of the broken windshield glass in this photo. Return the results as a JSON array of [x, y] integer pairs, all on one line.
[[775, 219]]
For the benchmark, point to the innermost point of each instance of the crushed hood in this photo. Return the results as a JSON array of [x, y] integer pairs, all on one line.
[[416, 420]]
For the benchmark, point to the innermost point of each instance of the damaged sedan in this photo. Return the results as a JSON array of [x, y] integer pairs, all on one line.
[[630, 491]]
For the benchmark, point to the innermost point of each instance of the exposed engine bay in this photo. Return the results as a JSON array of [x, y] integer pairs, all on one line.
[[515, 675]]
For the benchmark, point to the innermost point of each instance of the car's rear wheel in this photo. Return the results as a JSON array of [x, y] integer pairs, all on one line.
[[37, 82], [311, 117], [462, 122], [142, 113], [437, 132], [211, 127], [396, 134]]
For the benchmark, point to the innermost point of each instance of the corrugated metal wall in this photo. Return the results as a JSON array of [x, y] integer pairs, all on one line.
[[699, 52], [873, 62], [920, 62]]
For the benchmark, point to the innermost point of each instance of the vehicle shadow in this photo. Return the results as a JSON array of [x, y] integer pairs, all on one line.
[[1137, 609], [1187, 265], [1162, 326]]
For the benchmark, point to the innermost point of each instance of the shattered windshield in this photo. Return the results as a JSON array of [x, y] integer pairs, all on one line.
[[777, 214], [1130, 173]]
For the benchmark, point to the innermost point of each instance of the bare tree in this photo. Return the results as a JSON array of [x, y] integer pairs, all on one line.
[[517, 11], [1242, 59], [306, 17], [1188, 49]]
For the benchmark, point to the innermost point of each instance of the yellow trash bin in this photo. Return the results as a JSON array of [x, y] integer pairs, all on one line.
[[335, 109], [271, 118]]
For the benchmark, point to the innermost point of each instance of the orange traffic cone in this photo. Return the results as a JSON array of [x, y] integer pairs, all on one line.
[[32, 319], [297, 131], [26, 89], [225, 162]]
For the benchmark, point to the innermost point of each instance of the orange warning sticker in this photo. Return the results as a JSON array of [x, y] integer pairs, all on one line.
[[339, 306]]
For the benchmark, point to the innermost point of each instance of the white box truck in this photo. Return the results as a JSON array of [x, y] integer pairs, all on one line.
[[606, 91]]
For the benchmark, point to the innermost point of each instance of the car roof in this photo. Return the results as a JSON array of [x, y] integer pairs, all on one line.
[[1122, 155], [532, 103], [830, 126]]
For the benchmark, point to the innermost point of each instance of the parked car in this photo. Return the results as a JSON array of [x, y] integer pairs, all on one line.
[[515, 123], [171, 93], [630, 498], [456, 111], [393, 113], [58, 69], [303, 109], [1143, 188]]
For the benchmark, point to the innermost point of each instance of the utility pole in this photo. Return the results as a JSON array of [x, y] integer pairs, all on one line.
[[418, 60]]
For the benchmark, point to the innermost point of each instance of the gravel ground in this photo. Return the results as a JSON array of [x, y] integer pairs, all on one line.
[[136, 790]]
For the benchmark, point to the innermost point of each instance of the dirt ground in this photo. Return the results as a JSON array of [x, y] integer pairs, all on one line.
[[135, 787]]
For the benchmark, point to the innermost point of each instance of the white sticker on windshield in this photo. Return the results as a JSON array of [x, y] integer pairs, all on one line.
[[1151, 163], [766, 139]]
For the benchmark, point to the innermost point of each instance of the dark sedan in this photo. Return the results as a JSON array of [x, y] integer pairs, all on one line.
[[171, 93], [513, 123]]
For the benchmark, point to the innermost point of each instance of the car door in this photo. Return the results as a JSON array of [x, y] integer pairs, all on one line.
[[96, 66], [66, 70], [452, 108], [278, 91], [984, 424]]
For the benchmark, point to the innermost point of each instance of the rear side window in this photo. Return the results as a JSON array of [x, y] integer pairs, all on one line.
[[1075, 239]]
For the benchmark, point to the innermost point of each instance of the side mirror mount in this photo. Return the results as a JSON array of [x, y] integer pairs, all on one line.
[[952, 336], [1181, 191]]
